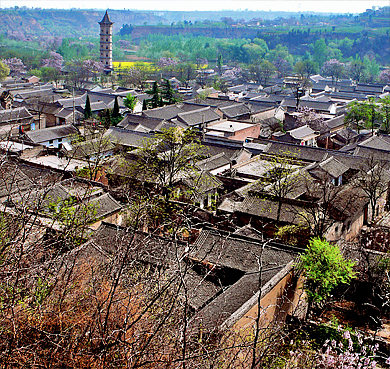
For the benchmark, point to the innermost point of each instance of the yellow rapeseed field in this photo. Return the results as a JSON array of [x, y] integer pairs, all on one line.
[[123, 65]]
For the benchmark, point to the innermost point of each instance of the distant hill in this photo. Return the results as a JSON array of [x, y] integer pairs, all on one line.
[[33, 24]]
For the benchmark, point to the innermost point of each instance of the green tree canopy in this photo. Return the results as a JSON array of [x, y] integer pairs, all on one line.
[[362, 114], [305, 68], [4, 71], [324, 268], [130, 101]]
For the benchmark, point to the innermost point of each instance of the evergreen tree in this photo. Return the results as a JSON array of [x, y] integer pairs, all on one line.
[[106, 118], [87, 109], [115, 112], [219, 63], [144, 105], [168, 94], [155, 100]]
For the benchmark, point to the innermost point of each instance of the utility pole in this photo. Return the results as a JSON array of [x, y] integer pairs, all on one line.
[[203, 128], [74, 118]]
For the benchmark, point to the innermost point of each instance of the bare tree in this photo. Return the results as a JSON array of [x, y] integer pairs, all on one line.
[[373, 179], [94, 150], [284, 178]]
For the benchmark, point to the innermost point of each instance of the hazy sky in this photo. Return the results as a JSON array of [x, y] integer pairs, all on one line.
[[337, 6]]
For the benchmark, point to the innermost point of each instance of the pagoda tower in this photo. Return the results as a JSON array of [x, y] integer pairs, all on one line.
[[106, 41]]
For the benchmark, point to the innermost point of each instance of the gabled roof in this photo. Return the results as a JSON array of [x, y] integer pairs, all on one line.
[[125, 137], [249, 231], [351, 162], [235, 111], [202, 182], [36, 92], [165, 112], [107, 98], [97, 106], [91, 147], [52, 133], [302, 132], [102, 206], [67, 114], [376, 142], [316, 105], [142, 246], [347, 134], [349, 203], [40, 200], [369, 152], [68, 102], [369, 88], [134, 120], [335, 122], [332, 166], [267, 209], [300, 152], [14, 115], [242, 254], [12, 180], [238, 252], [197, 117], [211, 101], [214, 162]]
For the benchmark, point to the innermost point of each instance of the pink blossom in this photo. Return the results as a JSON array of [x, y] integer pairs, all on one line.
[[346, 335], [55, 61]]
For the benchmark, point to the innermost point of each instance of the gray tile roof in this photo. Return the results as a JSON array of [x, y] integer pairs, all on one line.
[[203, 182], [142, 246], [267, 209], [210, 101], [101, 206], [235, 111], [14, 115], [377, 143], [333, 166], [301, 132], [126, 137], [197, 117], [335, 122], [68, 102], [351, 162], [237, 252], [369, 88], [133, 119], [369, 152], [97, 147], [223, 306], [214, 162], [165, 112], [316, 105], [148, 248], [40, 200], [52, 133], [36, 92], [13, 180], [240, 253], [300, 152]]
